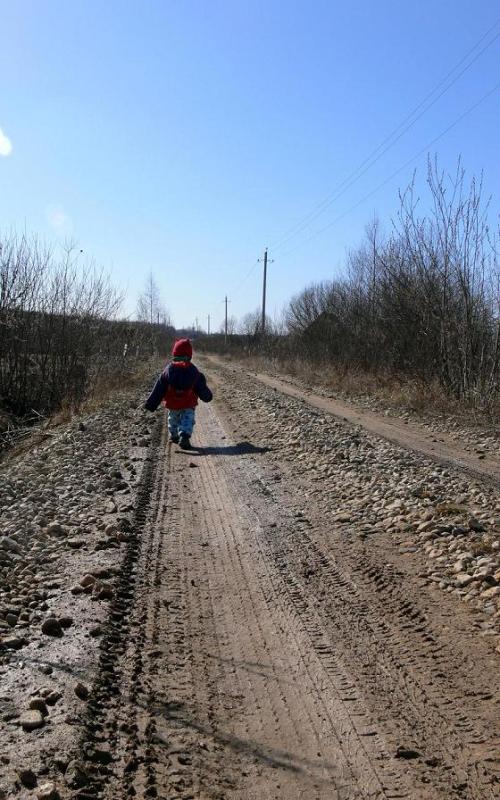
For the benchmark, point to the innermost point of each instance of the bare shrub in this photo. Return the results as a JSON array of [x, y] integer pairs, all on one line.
[[59, 335], [417, 309]]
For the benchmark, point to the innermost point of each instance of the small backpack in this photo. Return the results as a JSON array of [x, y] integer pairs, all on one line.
[[177, 399]]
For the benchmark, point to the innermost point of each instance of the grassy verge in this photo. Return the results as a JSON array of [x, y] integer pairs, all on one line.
[[383, 392], [18, 435]]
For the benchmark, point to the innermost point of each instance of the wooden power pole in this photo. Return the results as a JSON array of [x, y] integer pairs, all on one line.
[[264, 281], [264, 287]]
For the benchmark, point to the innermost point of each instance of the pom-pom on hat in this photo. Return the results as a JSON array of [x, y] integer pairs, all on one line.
[[182, 350]]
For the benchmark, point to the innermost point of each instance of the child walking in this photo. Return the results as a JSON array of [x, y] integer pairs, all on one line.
[[179, 387]]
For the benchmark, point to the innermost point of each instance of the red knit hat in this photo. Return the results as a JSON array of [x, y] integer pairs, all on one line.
[[182, 349]]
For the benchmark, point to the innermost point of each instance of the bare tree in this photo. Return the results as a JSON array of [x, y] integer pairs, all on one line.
[[59, 335], [150, 307], [232, 324], [421, 303], [251, 324], [279, 324]]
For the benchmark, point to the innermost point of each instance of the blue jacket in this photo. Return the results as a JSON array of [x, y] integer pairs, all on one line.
[[179, 376]]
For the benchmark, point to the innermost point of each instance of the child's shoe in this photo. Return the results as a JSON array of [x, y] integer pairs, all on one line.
[[174, 439], [184, 442]]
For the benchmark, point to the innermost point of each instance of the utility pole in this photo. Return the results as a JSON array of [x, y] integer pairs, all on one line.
[[225, 323], [208, 325], [264, 286]]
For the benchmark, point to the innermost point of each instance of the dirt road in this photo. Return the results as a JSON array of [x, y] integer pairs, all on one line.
[[414, 437], [254, 650], [297, 608]]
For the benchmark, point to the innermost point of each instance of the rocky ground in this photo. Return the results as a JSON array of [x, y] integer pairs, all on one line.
[[370, 486], [66, 510], [475, 431], [371, 556]]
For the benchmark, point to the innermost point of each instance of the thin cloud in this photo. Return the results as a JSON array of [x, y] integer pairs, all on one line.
[[59, 220], [5, 144]]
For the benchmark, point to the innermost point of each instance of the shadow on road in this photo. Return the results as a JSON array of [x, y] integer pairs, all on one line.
[[179, 714], [255, 667], [239, 449]]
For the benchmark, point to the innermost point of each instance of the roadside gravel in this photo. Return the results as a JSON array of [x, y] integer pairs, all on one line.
[[65, 515], [370, 487], [479, 435]]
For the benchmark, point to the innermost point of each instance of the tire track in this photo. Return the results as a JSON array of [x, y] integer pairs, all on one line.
[[95, 770], [412, 693], [301, 711]]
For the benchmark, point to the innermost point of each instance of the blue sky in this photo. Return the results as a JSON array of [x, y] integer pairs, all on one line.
[[182, 137]]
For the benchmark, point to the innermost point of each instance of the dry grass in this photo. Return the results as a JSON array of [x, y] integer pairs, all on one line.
[[108, 386], [406, 393], [104, 390], [390, 392], [484, 547], [450, 510]]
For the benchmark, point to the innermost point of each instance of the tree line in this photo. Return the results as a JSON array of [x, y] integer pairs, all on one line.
[[60, 334], [419, 302]]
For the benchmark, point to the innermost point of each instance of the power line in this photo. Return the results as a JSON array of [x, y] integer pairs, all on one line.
[[332, 196], [390, 140], [400, 169], [241, 283], [244, 280], [385, 182]]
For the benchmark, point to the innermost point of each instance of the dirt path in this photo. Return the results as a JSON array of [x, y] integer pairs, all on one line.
[[250, 655], [409, 435], [232, 689]]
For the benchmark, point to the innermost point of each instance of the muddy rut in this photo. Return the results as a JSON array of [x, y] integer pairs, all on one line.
[[250, 655]]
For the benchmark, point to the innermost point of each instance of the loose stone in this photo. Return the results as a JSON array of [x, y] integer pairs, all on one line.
[[37, 704], [81, 691], [52, 627], [48, 792], [31, 720], [27, 778]]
